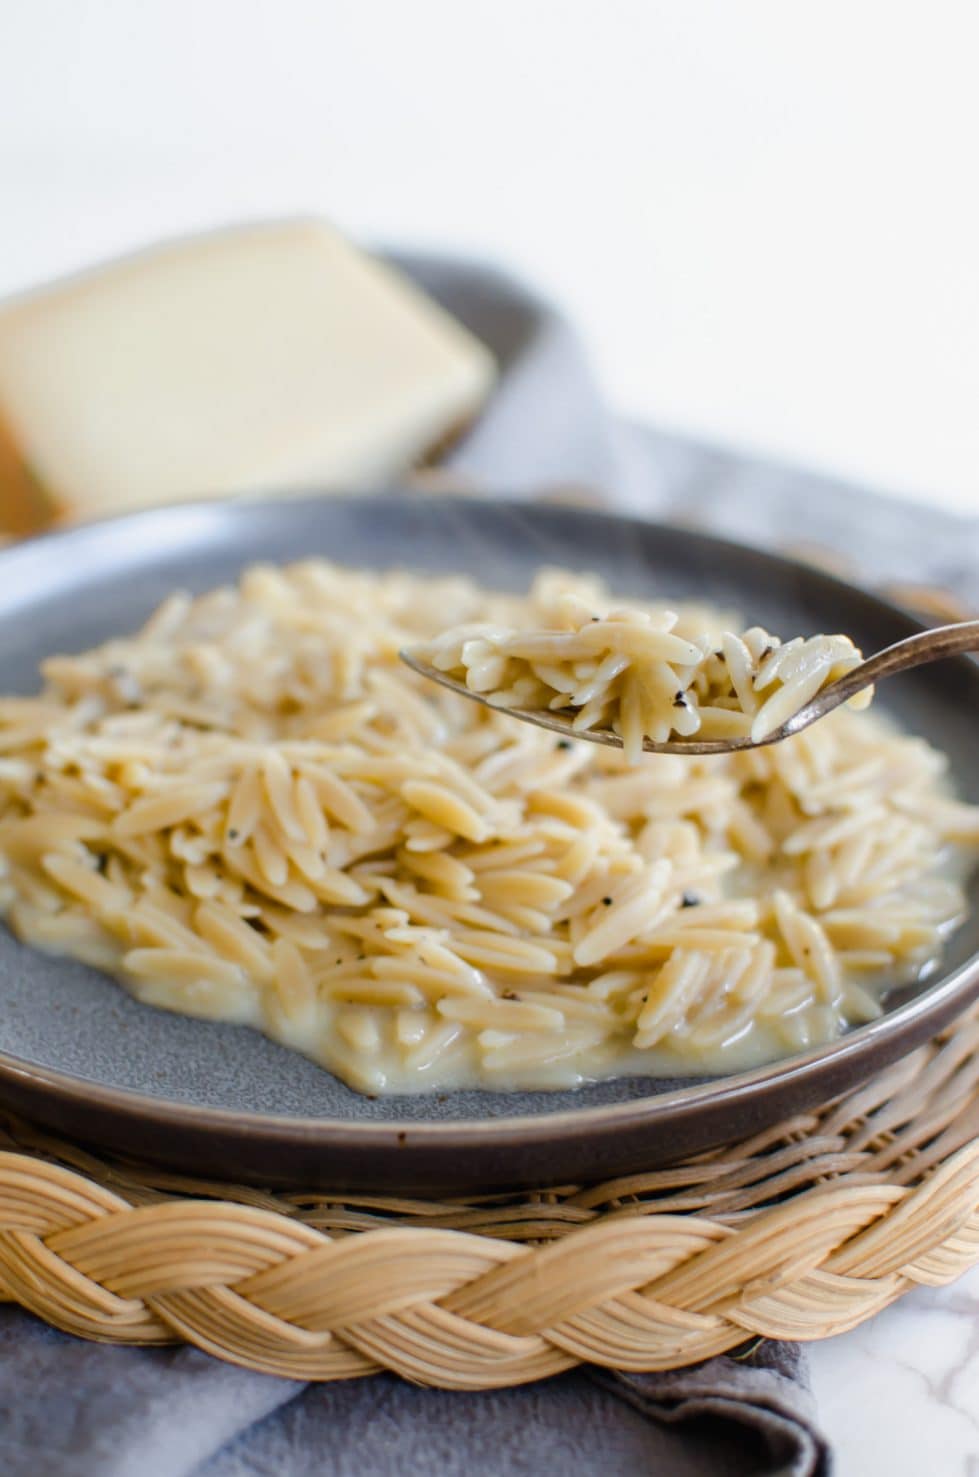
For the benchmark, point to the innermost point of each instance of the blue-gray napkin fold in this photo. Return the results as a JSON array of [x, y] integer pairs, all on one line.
[[73, 1409]]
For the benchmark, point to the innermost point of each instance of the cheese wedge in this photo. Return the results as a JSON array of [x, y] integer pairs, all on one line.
[[262, 359]]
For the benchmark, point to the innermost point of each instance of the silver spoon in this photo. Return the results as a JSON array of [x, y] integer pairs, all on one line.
[[913, 651]]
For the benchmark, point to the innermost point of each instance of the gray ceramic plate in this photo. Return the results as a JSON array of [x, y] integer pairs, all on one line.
[[80, 1056]]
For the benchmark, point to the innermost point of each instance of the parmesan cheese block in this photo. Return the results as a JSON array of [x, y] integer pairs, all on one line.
[[272, 357]]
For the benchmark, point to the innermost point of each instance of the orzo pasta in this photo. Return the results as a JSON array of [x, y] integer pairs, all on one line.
[[643, 672], [251, 811]]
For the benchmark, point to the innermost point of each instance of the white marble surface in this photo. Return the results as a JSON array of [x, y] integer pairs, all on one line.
[[899, 1396]]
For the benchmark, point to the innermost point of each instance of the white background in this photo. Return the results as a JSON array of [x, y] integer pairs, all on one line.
[[762, 213]]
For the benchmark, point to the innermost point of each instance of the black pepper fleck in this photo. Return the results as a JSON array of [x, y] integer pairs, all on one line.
[[563, 744], [607, 901], [689, 900]]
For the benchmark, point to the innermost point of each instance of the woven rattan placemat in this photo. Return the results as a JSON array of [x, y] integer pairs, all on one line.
[[799, 1233]]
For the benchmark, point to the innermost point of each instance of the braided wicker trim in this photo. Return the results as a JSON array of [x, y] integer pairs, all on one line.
[[800, 1233]]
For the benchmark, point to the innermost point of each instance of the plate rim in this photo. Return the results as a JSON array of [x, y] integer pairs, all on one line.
[[458, 1131], [945, 997]]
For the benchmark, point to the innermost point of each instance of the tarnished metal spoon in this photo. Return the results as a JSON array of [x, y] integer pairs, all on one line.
[[913, 651]]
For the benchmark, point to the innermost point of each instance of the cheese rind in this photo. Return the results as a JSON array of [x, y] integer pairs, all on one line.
[[24, 505], [273, 357]]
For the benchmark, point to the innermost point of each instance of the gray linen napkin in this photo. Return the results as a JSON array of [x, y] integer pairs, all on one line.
[[73, 1409]]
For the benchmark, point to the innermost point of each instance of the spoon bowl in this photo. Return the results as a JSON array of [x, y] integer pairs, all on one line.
[[925, 646]]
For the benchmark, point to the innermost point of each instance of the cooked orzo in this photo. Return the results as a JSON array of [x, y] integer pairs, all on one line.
[[251, 811], [643, 673]]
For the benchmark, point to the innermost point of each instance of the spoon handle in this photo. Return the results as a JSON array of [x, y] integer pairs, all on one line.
[[913, 651]]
